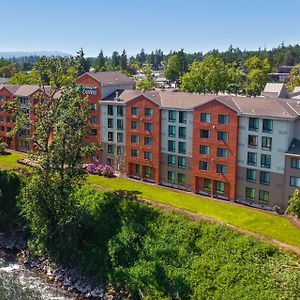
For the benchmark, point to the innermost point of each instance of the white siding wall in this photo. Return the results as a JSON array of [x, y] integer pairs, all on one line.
[[165, 129], [282, 135]]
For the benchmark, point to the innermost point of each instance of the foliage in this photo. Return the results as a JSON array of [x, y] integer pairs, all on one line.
[[83, 64], [294, 78], [176, 66], [257, 71], [3, 146], [100, 62], [294, 204], [243, 217], [106, 170], [148, 83], [25, 78], [157, 255], [10, 185], [8, 70]]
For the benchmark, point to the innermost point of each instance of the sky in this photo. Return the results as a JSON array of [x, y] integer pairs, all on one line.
[[68, 25]]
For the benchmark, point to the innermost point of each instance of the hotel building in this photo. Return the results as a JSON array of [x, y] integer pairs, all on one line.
[[233, 148]]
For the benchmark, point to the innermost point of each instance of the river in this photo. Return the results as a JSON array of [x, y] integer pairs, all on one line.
[[18, 283]]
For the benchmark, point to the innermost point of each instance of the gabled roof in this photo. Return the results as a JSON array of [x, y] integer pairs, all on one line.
[[273, 90], [108, 78], [294, 147], [26, 90]]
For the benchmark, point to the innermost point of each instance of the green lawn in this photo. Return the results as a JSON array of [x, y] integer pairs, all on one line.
[[10, 161], [253, 220]]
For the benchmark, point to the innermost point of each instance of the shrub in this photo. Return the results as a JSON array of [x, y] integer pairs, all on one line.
[[294, 204], [91, 169], [3, 147], [107, 171]]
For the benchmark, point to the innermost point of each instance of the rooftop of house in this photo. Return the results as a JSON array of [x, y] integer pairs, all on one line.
[[294, 147], [109, 78], [275, 90], [252, 106], [25, 90]]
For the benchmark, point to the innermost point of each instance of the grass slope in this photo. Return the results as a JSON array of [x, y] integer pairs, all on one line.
[[261, 222], [10, 161]]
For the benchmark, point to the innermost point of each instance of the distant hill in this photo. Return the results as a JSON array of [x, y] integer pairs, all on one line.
[[10, 54]]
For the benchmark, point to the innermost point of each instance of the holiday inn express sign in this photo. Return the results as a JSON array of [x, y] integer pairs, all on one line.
[[88, 90]]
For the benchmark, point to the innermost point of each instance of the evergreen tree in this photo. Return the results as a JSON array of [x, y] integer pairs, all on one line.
[[100, 61], [294, 204], [83, 65], [123, 60], [115, 58]]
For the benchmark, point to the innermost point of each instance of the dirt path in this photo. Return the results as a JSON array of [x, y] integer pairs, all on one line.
[[194, 216]]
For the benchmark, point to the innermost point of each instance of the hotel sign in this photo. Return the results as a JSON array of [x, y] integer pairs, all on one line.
[[88, 90]]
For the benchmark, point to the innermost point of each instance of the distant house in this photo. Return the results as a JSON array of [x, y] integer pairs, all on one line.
[[283, 74], [275, 90], [296, 93], [3, 80]]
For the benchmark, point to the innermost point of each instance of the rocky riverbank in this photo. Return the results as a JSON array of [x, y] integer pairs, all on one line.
[[69, 279]]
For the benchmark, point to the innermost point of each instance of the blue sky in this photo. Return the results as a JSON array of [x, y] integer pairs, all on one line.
[[67, 25]]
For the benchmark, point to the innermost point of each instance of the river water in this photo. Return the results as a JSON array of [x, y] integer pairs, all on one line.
[[18, 283]]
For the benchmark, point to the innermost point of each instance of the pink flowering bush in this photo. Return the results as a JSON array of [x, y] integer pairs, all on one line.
[[91, 169], [106, 170]]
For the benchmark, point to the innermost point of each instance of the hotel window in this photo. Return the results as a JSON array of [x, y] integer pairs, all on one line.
[[171, 160], [36, 101], [148, 127], [250, 194], [181, 162], [172, 116], [207, 184], [1, 108], [222, 152], [148, 155], [134, 153], [93, 105], [252, 159], [182, 117], [172, 131], [8, 98], [220, 188], [181, 179], [138, 169], [171, 176], [263, 197], [135, 139], [148, 171], [295, 163], [265, 161], [264, 178], [148, 112], [222, 119], [148, 141], [120, 137], [205, 134], [266, 143], [135, 111], [120, 125], [134, 124], [203, 165], [251, 175], [1, 119], [222, 169], [182, 147], [120, 150], [267, 125], [295, 181], [182, 132], [222, 136], [120, 111], [1, 98], [253, 124], [171, 146], [110, 149], [252, 141], [205, 118], [110, 123], [93, 119], [110, 110], [110, 136], [204, 150]]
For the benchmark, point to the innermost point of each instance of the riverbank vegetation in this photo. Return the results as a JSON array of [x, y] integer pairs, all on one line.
[[155, 254]]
